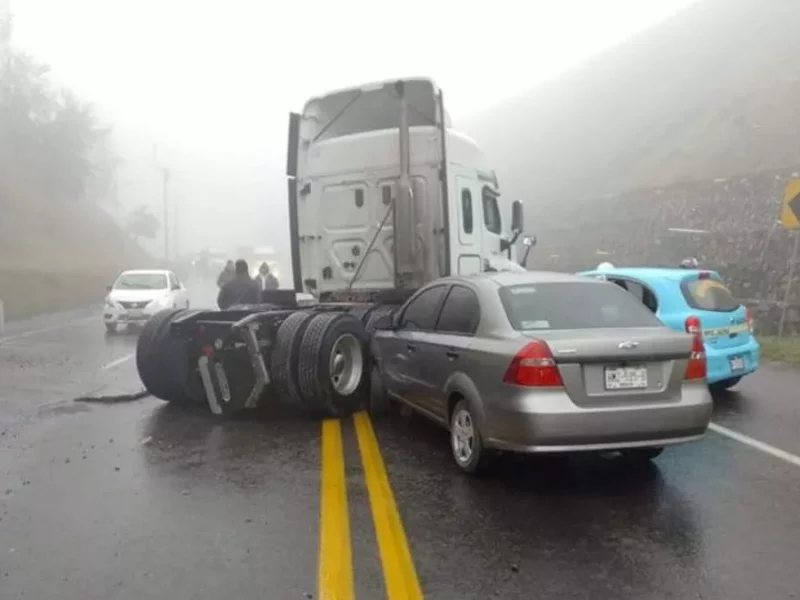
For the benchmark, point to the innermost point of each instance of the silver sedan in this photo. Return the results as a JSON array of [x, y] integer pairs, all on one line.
[[540, 362]]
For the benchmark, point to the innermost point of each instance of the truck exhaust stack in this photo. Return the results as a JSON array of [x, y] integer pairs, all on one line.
[[406, 273]]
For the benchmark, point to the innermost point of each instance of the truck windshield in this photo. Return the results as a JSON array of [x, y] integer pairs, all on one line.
[[141, 281], [357, 111], [573, 305]]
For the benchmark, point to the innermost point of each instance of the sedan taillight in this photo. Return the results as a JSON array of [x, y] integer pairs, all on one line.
[[534, 366], [696, 369]]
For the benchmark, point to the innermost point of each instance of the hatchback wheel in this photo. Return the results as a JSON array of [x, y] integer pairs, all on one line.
[[466, 442], [724, 385]]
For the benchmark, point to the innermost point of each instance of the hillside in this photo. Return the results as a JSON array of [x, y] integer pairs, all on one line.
[[56, 256], [692, 124], [712, 92]]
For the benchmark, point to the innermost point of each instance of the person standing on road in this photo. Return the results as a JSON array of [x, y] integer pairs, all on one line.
[[227, 274], [266, 280], [239, 290]]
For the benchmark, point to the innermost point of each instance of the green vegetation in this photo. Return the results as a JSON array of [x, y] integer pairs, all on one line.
[[58, 247], [785, 349]]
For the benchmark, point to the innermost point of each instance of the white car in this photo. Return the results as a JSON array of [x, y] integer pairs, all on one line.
[[138, 295]]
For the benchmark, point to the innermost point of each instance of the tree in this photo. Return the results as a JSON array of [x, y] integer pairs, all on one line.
[[48, 137], [142, 223]]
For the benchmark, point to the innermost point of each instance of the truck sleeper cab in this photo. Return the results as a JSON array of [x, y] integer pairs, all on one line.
[[346, 175]]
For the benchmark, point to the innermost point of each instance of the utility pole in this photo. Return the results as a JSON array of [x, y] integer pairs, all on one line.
[[165, 174]]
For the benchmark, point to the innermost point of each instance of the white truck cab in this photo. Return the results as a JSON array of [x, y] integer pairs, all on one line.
[[384, 194]]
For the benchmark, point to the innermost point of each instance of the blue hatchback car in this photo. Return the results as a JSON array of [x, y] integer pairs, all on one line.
[[698, 302]]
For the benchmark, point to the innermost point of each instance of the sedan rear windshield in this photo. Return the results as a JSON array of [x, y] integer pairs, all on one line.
[[709, 294], [573, 305], [141, 281]]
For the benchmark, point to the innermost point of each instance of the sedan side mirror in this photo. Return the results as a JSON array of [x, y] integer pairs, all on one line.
[[385, 323], [108, 288]]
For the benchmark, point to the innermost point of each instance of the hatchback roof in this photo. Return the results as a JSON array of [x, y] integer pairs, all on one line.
[[650, 272]]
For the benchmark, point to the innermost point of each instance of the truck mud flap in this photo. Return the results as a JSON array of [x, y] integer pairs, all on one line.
[[215, 380], [212, 396]]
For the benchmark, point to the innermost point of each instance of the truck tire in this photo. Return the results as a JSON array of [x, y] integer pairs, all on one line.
[[377, 313], [186, 386], [283, 362], [333, 368], [163, 363], [148, 355]]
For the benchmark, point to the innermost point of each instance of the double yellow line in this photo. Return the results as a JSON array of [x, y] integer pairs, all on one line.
[[336, 580]]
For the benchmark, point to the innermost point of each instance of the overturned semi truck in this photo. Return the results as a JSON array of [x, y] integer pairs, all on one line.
[[384, 197]]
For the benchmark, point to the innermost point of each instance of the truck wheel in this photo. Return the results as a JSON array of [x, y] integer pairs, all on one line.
[[148, 362], [283, 362], [377, 313], [181, 373], [163, 364], [333, 367]]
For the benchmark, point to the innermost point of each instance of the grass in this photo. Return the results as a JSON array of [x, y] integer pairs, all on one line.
[[785, 349]]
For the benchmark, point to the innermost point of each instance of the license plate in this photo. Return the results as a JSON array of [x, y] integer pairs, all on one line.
[[737, 363], [135, 315], [626, 378]]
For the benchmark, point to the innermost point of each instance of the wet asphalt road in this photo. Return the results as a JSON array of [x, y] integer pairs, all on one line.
[[138, 500]]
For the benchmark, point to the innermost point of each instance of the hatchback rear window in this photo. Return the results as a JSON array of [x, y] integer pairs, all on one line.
[[709, 294], [573, 305]]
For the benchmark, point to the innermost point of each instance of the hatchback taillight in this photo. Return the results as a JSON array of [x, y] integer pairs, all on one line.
[[534, 366], [696, 369], [694, 326]]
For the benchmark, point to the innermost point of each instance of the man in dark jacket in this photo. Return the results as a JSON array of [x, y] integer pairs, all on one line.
[[226, 275], [239, 290]]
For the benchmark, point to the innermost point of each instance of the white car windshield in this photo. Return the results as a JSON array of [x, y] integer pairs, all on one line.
[[141, 281]]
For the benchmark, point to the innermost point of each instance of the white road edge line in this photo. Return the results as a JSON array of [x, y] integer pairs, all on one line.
[[24, 334], [119, 361], [753, 443]]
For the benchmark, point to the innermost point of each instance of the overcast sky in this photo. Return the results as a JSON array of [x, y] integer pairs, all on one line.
[[211, 82]]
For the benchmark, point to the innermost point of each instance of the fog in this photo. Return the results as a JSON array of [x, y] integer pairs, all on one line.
[[204, 88]]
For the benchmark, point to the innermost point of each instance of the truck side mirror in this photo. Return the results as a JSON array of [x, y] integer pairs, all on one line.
[[516, 217]]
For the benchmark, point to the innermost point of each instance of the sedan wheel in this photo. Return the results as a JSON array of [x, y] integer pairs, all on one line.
[[466, 442], [641, 455]]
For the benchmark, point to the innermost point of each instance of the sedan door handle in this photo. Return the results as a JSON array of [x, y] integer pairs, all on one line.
[[411, 347], [451, 354]]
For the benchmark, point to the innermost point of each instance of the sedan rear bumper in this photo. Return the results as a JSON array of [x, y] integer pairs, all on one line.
[[548, 421]]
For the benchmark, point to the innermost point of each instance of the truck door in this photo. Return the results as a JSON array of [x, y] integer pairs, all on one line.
[[491, 225], [466, 245]]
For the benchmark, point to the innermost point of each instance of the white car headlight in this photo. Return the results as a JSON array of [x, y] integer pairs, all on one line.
[[162, 302], [109, 303]]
